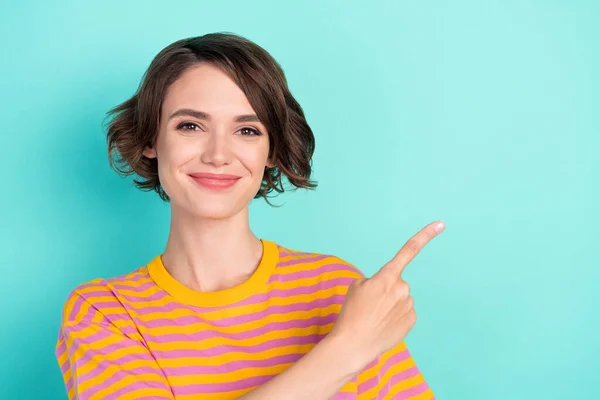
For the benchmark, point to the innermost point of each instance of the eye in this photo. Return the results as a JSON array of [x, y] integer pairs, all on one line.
[[188, 126], [247, 131]]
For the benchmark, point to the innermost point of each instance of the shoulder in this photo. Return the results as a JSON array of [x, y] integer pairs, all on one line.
[[90, 298], [312, 264]]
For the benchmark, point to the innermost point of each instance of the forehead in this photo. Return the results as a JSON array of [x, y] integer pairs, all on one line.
[[207, 88]]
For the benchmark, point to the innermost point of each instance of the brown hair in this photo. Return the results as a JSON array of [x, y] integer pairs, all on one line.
[[134, 123]]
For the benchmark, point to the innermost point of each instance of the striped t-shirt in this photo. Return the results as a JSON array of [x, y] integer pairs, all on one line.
[[145, 335]]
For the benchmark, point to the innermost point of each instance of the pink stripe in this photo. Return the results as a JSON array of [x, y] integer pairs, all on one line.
[[90, 313], [119, 375], [394, 380], [60, 351], [294, 253], [107, 350], [100, 367], [129, 282], [292, 276], [210, 352], [93, 296], [232, 366], [209, 388], [413, 391], [322, 285], [117, 317], [135, 276], [69, 384], [302, 260], [395, 359], [202, 370], [242, 319], [127, 330], [158, 295], [64, 367], [134, 288], [119, 393], [76, 307], [62, 347], [225, 349], [372, 382], [255, 299], [94, 283], [373, 363], [206, 334]]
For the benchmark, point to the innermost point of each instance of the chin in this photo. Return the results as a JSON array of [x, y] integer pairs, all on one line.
[[209, 207], [215, 212]]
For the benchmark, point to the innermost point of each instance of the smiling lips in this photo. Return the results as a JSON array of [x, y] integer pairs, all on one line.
[[215, 181]]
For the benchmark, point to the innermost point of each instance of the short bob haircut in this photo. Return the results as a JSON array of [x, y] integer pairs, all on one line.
[[134, 124]]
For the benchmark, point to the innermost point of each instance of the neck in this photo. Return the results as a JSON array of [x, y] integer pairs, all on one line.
[[211, 254]]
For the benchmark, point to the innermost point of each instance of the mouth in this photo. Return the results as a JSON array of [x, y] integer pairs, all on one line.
[[215, 181]]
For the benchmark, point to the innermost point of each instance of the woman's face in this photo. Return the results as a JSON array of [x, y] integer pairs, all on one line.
[[209, 127]]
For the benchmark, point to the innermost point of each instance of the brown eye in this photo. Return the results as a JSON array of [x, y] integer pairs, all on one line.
[[188, 126], [247, 131]]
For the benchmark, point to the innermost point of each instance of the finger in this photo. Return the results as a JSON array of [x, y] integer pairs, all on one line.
[[406, 306], [413, 246], [401, 289], [411, 318]]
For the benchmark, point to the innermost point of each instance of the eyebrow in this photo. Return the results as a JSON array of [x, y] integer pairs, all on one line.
[[202, 115]]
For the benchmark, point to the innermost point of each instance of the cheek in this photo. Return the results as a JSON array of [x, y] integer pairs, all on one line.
[[256, 162], [170, 159], [176, 154]]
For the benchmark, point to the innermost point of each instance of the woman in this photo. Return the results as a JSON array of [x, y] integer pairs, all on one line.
[[222, 314]]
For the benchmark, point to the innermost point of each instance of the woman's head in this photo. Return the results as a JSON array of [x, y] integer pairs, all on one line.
[[185, 119]]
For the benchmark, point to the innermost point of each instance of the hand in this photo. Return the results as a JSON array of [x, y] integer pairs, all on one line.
[[378, 312]]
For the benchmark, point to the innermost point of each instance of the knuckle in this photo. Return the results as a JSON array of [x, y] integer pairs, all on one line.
[[431, 232], [412, 246], [412, 317], [402, 290], [377, 280], [410, 302], [385, 282]]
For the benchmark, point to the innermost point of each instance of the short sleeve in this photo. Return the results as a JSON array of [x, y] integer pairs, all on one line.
[[394, 376], [99, 361]]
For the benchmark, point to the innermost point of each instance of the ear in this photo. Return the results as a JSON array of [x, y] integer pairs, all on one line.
[[270, 163], [149, 152]]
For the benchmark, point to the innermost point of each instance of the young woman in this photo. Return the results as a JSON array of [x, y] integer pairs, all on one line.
[[222, 314]]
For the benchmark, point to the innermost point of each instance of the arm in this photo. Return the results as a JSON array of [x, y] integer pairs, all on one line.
[[99, 361], [318, 375]]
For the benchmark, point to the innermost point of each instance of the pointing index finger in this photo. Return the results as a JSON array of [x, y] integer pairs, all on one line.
[[415, 244]]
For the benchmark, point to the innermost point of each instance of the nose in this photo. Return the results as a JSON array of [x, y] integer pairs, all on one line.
[[217, 150]]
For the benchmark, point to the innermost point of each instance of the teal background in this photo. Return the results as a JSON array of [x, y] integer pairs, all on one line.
[[485, 114]]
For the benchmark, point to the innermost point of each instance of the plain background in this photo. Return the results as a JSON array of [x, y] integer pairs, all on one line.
[[484, 114]]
